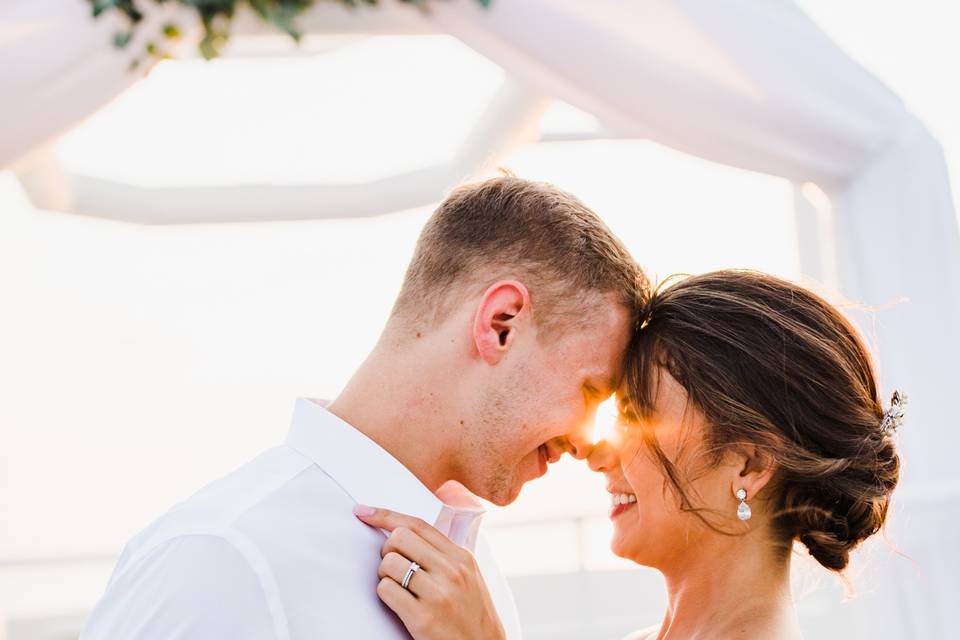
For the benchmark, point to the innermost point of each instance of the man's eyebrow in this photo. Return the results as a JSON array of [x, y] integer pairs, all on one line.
[[608, 386]]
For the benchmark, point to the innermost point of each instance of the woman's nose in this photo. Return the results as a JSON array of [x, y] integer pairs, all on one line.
[[604, 457], [579, 446]]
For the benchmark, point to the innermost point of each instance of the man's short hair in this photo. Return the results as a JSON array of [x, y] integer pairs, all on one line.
[[510, 228]]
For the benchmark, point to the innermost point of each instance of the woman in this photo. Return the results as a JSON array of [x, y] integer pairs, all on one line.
[[749, 419]]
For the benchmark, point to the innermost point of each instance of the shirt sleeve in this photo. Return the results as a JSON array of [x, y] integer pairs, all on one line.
[[188, 588]]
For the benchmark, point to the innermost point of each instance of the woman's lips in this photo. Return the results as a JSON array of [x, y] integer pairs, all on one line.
[[543, 457], [620, 508], [620, 502]]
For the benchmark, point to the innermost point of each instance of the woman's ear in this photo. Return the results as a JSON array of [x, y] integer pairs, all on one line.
[[755, 471], [503, 310]]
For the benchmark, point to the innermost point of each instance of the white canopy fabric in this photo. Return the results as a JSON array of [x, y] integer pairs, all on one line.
[[59, 66], [754, 84]]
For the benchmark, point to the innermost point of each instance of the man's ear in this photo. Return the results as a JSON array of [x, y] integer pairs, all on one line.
[[503, 310]]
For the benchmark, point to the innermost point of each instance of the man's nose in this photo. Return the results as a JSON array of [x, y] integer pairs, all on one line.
[[604, 457], [580, 440]]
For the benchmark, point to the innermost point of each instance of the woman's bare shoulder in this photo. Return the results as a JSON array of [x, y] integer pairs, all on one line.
[[650, 633]]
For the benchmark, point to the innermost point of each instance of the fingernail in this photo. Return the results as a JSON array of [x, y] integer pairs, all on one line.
[[363, 510]]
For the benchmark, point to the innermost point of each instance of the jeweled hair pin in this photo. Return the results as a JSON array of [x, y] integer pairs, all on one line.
[[893, 417]]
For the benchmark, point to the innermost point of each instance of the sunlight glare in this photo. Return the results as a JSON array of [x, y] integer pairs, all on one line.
[[603, 428]]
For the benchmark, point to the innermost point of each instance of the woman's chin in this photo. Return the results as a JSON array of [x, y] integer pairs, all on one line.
[[630, 551], [619, 550], [628, 542], [623, 545]]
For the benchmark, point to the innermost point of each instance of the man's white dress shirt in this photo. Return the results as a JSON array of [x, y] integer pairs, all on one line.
[[273, 550]]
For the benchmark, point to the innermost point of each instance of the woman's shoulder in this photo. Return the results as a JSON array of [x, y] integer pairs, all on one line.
[[650, 633]]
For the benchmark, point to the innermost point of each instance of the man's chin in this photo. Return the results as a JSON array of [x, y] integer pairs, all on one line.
[[509, 492], [504, 500], [500, 494]]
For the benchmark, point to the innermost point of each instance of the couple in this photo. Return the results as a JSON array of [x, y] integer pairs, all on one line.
[[749, 418]]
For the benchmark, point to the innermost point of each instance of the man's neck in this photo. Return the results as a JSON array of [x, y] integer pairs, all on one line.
[[391, 401]]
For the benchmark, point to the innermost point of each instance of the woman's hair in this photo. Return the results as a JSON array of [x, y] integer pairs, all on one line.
[[770, 364]]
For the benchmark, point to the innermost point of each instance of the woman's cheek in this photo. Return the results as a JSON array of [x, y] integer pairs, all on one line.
[[633, 462]]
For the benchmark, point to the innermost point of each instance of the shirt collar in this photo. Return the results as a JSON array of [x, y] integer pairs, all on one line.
[[371, 476]]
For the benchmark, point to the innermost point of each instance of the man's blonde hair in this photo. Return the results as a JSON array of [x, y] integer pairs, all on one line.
[[507, 227]]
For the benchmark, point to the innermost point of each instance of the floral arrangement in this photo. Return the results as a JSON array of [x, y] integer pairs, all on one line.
[[215, 17]]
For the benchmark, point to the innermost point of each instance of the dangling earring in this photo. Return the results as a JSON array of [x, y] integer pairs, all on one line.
[[743, 511]]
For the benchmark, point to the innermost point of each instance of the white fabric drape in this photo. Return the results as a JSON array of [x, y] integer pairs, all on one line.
[[59, 66], [750, 83]]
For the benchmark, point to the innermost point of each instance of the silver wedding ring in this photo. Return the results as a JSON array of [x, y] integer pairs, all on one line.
[[414, 567]]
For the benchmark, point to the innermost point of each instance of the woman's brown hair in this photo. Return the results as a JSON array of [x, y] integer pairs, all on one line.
[[771, 364]]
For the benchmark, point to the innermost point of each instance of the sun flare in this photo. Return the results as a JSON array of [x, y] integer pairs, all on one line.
[[605, 425]]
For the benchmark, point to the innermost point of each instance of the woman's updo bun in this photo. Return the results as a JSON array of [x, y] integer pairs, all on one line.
[[771, 363]]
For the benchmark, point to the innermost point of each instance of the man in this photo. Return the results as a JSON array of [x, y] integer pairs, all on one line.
[[508, 332]]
